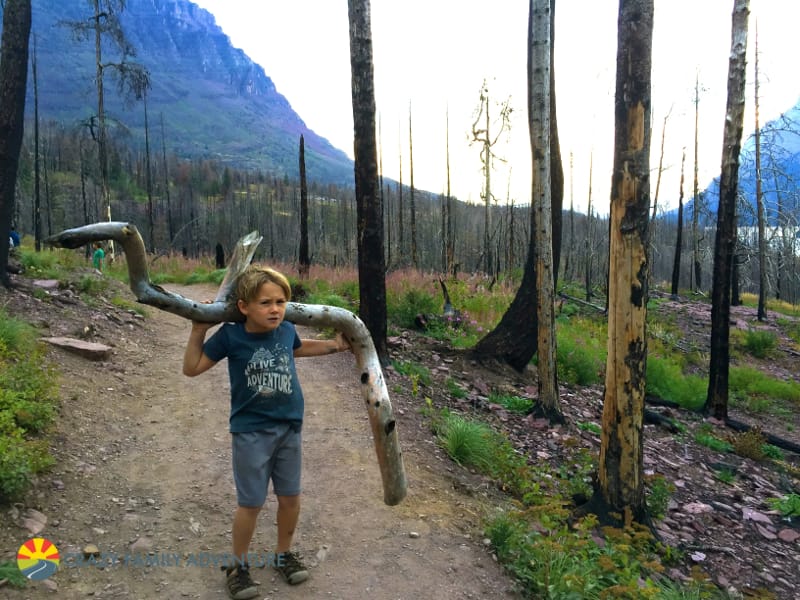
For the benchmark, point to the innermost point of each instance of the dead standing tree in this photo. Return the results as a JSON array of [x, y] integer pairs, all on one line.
[[539, 113], [304, 261], [132, 78], [725, 243], [371, 263], [13, 79], [482, 135], [370, 375], [620, 480], [515, 339]]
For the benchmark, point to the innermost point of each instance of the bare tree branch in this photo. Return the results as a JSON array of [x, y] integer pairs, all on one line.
[[373, 385]]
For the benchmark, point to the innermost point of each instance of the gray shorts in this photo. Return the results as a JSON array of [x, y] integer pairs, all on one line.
[[273, 453]]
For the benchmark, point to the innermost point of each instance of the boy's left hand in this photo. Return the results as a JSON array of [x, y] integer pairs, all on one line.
[[342, 344]]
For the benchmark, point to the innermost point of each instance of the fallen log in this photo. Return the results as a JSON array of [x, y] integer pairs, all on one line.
[[769, 438], [600, 309], [737, 426], [373, 385]]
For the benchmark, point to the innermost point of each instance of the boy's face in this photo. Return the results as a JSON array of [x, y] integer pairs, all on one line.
[[266, 311]]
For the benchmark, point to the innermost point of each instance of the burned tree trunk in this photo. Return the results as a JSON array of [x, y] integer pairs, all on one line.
[[719, 363], [621, 465], [13, 78], [676, 265]]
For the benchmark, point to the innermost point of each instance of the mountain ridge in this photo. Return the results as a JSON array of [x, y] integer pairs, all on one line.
[[215, 101]]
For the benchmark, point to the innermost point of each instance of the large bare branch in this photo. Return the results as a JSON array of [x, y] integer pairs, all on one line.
[[373, 385]]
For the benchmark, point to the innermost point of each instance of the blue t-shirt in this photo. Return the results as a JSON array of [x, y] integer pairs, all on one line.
[[264, 385]]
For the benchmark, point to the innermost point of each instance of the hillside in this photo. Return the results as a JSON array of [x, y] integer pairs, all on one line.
[[215, 101]]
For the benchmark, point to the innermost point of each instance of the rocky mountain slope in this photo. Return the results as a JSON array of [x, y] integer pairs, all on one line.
[[214, 100]]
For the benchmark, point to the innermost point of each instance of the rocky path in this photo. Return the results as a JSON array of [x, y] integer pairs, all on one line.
[[144, 476]]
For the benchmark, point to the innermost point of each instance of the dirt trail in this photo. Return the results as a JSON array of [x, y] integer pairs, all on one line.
[[144, 472]]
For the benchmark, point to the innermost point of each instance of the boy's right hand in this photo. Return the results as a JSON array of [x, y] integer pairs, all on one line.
[[198, 327]]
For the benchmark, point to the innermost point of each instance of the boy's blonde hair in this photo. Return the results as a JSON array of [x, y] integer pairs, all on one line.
[[254, 276]]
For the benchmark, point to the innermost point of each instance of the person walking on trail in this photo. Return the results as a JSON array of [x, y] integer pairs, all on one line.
[[98, 257], [266, 414]]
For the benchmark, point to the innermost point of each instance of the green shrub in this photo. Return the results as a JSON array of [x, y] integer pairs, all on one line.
[[9, 571], [204, 275], [710, 441], [125, 304], [27, 406], [404, 309], [92, 285], [330, 299], [16, 336], [580, 353], [748, 385], [589, 426], [788, 506], [759, 343], [658, 493], [791, 327], [567, 564], [749, 444], [467, 442], [506, 535], [454, 389], [515, 404], [773, 452], [666, 380], [419, 372], [42, 265], [726, 475]]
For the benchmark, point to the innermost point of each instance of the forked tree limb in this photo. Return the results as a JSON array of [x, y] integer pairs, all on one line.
[[373, 385]]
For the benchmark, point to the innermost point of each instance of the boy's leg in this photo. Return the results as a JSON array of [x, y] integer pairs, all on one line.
[[286, 480], [251, 475], [288, 514], [244, 525], [289, 564]]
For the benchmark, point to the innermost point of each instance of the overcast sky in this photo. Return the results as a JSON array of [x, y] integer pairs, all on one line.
[[433, 55]]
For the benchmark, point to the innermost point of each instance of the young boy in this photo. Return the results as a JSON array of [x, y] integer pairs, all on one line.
[[266, 413]]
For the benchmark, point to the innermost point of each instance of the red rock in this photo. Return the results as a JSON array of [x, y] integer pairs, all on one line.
[[90, 350], [789, 535]]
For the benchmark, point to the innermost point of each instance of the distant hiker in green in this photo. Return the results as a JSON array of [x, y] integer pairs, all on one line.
[[99, 257]]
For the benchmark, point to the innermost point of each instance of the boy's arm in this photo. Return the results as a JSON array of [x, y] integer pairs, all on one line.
[[322, 347], [194, 360]]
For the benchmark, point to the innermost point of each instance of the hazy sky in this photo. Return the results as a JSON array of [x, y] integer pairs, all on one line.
[[432, 56]]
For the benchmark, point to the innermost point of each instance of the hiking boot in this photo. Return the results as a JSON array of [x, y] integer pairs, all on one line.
[[291, 569], [240, 585]]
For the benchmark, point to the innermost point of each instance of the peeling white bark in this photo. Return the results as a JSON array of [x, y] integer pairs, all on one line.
[[372, 383]]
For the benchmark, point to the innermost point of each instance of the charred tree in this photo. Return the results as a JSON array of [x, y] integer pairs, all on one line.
[[620, 481], [303, 259], [104, 27], [37, 213], [556, 165], [412, 200], [760, 218], [539, 115], [515, 339], [371, 266], [676, 264], [696, 198], [13, 81], [717, 399]]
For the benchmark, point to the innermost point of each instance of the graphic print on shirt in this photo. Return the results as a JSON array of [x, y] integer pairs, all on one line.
[[269, 372]]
